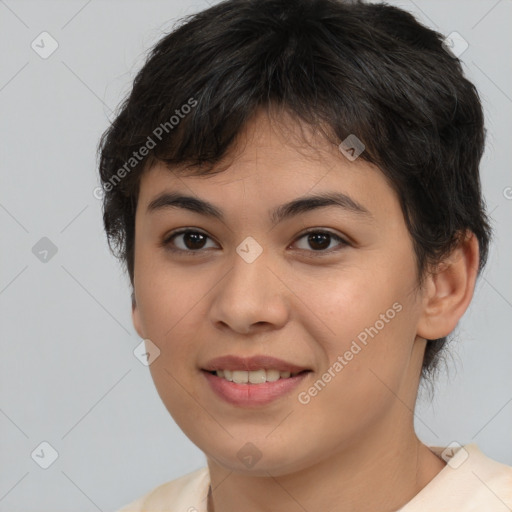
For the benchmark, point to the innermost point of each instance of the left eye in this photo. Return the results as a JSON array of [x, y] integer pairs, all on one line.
[[321, 240], [192, 241]]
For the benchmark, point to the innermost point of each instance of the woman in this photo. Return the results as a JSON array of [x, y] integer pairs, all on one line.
[[294, 189]]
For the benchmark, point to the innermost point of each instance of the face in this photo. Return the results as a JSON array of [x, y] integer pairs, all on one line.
[[329, 289]]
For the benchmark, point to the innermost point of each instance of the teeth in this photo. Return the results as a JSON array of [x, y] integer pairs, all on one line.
[[253, 377], [240, 377], [272, 375], [257, 377]]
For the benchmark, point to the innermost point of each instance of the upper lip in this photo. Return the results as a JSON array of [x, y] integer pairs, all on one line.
[[230, 362]]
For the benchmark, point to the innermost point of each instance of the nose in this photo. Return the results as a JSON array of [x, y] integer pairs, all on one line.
[[250, 298]]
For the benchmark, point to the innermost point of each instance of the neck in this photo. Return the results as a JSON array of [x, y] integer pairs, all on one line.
[[366, 476]]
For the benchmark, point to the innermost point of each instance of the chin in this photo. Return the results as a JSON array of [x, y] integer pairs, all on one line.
[[250, 461]]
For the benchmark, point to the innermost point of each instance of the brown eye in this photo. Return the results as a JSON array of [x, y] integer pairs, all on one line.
[[193, 240], [320, 241], [186, 241]]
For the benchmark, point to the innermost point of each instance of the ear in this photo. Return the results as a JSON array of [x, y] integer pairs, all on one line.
[[136, 317], [448, 289]]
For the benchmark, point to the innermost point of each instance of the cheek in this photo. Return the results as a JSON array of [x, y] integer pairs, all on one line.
[[360, 384], [169, 311], [371, 317], [165, 294], [169, 303], [355, 303]]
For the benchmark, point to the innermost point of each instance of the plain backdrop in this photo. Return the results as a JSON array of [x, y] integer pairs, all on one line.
[[68, 374]]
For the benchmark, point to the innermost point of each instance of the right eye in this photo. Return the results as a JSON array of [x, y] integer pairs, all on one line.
[[186, 241]]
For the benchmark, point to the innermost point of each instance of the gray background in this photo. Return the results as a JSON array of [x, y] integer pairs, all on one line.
[[68, 373]]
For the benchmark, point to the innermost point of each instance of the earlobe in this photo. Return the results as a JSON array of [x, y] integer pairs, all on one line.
[[448, 290]]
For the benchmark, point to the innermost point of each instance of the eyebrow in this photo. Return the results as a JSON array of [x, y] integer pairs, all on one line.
[[280, 213]]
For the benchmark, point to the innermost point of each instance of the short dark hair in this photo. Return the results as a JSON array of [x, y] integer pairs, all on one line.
[[347, 67]]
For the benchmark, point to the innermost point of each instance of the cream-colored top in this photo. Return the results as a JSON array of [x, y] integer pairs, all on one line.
[[469, 482]]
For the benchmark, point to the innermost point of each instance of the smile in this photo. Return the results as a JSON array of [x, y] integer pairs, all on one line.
[[243, 392], [253, 377]]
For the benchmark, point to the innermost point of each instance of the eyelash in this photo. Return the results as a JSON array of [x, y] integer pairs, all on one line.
[[166, 243]]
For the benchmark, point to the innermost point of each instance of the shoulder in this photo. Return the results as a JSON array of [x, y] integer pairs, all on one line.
[[492, 480], [470, 481], [186, 493], [474, 464]]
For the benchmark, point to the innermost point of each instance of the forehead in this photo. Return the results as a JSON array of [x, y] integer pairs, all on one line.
[[272, 162]]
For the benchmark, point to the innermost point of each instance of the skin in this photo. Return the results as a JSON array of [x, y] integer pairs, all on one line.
[[353, 446]]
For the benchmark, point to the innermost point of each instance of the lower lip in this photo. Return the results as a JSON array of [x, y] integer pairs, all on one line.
[[246, 395]]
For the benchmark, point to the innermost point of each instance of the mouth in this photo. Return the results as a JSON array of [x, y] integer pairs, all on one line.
[[252, 381], [253, 394], [256, 377]]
